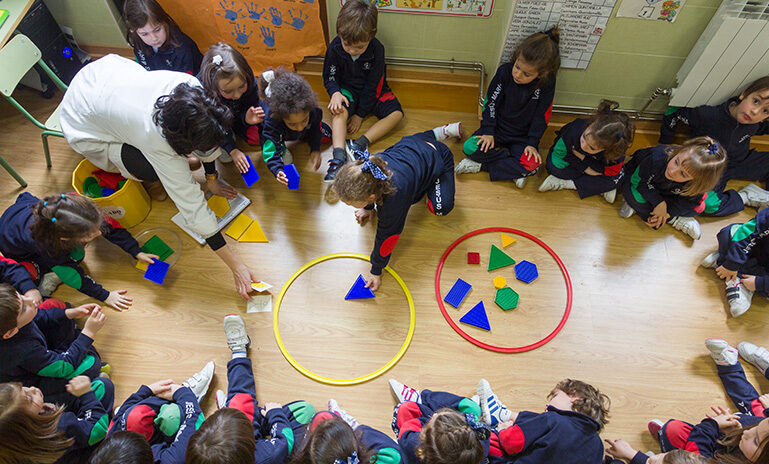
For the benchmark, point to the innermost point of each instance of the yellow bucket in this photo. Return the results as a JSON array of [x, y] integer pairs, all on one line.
[[129, 205]]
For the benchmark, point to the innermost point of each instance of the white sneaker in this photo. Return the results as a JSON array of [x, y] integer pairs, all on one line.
[[520, 183], [610, 196], [755, 196], [738, 297], [756, 355], [711, 260], [235, 331], [288, 158], [199, 382], [221, 399], [333, 406], [554, 183], [687, 225], [467, 166], [492, 410], [722, 353], [625, 211], [404, 392], [448, 130], [476, 399], [48, 283]]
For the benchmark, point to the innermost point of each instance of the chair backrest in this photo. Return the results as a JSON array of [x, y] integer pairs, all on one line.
[[16, 59]]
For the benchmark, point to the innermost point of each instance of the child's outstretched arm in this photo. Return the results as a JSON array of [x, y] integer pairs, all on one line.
[[621, 451], [372, 86], [87, 420], [273, 147], [388, 231], [744, 239], [192, 417]]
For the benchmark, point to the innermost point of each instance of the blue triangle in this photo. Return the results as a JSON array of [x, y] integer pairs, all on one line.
[[359, 290], [477, 317]]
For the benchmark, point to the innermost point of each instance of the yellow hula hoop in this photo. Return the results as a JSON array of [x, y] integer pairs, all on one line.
[[328, 380]]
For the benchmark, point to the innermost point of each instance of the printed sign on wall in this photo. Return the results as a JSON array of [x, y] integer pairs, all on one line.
[[665, 10]]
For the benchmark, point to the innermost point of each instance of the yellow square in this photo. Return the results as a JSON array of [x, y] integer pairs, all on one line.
[[141, 265], [238, 226], [219, 205]]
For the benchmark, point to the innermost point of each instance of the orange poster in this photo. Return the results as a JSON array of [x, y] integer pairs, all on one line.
[[269, 33]]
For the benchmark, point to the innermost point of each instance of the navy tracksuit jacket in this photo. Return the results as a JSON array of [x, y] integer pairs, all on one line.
[[86, 419], [185, 58], [275, 134], [745, 248], [16, 275]]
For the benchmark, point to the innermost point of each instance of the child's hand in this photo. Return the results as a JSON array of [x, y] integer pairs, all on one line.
[[725, 420], [281, 177], [118, 300], [484, 142], [216, 187], [658, 216], [353, 124], [314, 160], [160, 386], [749, 282], [239, 158], [764, 399], [335, 105], [81, 311], [592, 172], [146, 257], [168, 395], [79, 386], [94, 323], [37, 298], [270, 407], [620, 449], [254, 115], [725, 273], [532, 153], [362, 215], [373, 282]]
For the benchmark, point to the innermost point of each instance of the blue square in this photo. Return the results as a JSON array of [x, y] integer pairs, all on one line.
[[156, 272], [293, 176]]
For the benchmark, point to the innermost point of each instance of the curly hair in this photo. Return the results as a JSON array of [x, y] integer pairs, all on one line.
[[123, 447], [354, 185], [192, 119], [611, 129], [287, 93], [589, 402], [62, 222], [357, 21], [330, 440], [704, 167], [541, 50], [447, 439]]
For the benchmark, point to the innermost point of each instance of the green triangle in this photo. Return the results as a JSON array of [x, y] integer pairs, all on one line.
[[498, 258]]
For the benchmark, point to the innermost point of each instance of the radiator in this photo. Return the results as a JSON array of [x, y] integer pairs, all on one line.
[[732, 52]]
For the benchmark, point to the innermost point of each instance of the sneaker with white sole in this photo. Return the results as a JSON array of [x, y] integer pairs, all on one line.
[[48, 283], [404, 392], [756, 355], [554, 183], [738, 297], [755, 196], [333, 167], [654, 426], [625, 211], [722, 353], [333, 406], [687, 225], [492, 410], [200, 381], [711, 260], [610, 196], [521, 183], [353, 150], [221, 399], [288, 157], [235, 331], [448, 130], [467, 166]]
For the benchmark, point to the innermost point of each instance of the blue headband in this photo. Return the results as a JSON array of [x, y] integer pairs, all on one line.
[[351, 459], [369, 166]]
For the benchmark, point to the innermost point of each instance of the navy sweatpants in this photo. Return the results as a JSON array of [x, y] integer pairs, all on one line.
[[755, 166], [440, 197], [587, 185], [503, 162], [751, 267], [742, 393]]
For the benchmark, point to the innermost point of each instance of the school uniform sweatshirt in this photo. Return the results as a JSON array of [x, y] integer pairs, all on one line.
[[16, 275], [568, 141], [240, 127], [86, 421], [704, 436], [749, 240], [646, 174], [275, 134], [185, 58]]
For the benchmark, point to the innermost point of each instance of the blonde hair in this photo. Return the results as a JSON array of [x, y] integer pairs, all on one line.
[[590, 401], [29, 438], [705, 164], [447, 439], [352, 184]]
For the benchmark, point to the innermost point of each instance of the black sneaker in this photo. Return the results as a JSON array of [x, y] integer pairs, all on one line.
[[333, 166]]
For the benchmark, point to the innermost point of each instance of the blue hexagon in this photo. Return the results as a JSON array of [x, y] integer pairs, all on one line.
[[526, 271]]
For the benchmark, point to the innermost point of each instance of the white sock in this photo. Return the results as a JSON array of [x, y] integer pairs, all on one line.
[[239, 354]]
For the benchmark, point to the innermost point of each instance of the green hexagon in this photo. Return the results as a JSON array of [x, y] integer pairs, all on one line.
[[506, 298]]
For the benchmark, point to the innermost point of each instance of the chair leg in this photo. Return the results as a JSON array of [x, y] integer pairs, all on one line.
[[44, 136], [12, 172]]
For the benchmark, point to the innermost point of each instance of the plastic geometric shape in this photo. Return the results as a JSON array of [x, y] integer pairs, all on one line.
[[250, 176], [293, 176], [238, 226], [473, 258], [358, 290], [254, 234], [500, 282], [91, 187], [507, 240], [108, 179], [458, 292], [156, 272], [156, 246], [106, 191], [219, 205], [506, 298], [477, 317], [526, 271], [142, 265], [498, 258]]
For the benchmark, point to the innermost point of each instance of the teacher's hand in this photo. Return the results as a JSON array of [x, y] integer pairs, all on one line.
[[243, 278], [218, 188]]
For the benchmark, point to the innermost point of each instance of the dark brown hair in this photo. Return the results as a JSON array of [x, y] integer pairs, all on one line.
[[352, 184], [233, 64], [123, 447], [227, 437], [138, 13], [704, 167], [447, 439], [731, 441], [10, 307], [65, 216], [33, 438], [289, 93], [589, 402], [541, 50], [330, 440], [757, 85], [357, 21], [611, 129]]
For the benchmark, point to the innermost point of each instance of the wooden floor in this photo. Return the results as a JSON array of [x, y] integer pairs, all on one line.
[[642, 306]]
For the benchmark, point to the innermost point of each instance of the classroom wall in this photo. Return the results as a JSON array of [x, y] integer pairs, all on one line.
[[93, 22]]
